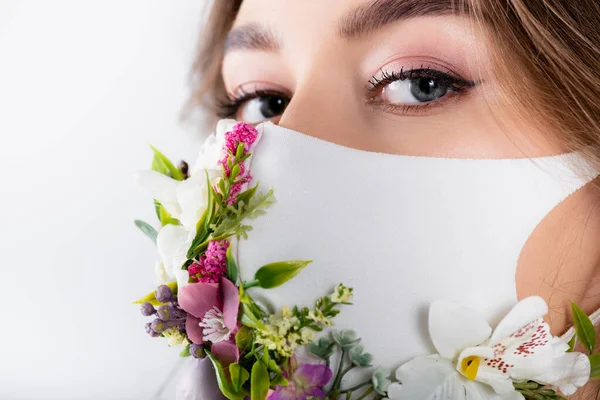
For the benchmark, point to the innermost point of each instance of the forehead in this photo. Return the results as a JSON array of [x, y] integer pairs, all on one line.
[[346, 17]]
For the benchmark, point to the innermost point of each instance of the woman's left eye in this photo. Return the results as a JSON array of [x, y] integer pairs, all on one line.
[[407, 89], [418, 90]]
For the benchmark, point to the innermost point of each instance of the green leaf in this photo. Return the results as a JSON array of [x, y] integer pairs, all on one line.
[[162, 164], [185, 352], [345, 338], [151, 297], [203, 226], [163, 215], [247, 195], [276, 274], [239, 376], [243, 338], [147, 229], [571, 344], [323, 348], [279, 380], [359, 358], [226, 388], [249, 319], [586, 333], [232, 268], [273, 366], [259, 382], [595, 364]]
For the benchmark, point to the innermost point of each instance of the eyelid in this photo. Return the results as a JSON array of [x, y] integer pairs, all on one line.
[[257, 86]]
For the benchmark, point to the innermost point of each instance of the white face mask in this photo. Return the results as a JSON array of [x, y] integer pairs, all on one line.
[[402, 231]]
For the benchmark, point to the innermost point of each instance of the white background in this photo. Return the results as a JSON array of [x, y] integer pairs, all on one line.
[[84, 87]]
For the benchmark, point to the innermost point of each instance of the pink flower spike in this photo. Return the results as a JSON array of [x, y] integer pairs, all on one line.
[[241, 133]]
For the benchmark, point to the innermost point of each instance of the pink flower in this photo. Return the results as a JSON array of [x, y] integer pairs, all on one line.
[[240, 133], [212, 316], [307, 382], [213, 265]]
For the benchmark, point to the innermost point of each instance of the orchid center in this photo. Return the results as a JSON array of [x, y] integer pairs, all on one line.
[[215, 330], [469, 367]]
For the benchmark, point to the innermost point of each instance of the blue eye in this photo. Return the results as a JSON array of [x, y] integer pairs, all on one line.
[[416, 90]]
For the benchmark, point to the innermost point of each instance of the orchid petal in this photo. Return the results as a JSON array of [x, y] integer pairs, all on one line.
[[162, 188], [528, 351], [226, 352], [193, 329], [172, 243], [198, 298], [486, 371], [566, 373], [453, 327], [526, 311], [231, 304], [428, 377], [477, 391], [434, 378]]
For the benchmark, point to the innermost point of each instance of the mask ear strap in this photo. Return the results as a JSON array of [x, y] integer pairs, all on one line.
[[595, 318]]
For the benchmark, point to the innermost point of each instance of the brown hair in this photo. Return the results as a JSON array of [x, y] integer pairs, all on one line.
[[546, 55]]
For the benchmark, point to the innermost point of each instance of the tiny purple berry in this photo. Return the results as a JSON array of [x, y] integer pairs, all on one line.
[[159, 326], [147, 309], [164, 294], [197, 351], [150, 331]]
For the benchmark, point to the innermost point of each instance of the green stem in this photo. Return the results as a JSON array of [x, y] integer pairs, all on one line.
[[351, 367], [251, 284], [352, 389], [365, 394], [338, 376]]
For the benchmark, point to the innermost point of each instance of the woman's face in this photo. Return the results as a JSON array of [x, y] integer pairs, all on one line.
[[402, 77]]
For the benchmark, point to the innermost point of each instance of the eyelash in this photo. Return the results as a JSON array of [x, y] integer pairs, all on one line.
[[230, 107], [375, 85]]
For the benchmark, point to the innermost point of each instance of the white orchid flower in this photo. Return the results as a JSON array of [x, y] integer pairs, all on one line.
[[475, 363], [186, 201]]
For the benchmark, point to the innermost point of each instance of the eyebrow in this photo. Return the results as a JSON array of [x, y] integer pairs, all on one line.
[[251, 37], [359, 22], [379, 13]]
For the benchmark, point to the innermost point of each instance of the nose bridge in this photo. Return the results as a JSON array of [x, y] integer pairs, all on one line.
[[324, 101]]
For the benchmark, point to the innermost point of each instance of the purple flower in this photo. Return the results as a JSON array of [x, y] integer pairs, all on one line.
[[308, 380]]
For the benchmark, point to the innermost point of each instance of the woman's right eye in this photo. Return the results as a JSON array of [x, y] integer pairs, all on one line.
[[261, 108]]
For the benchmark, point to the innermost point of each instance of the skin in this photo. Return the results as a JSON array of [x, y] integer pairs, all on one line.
[[319, 70]]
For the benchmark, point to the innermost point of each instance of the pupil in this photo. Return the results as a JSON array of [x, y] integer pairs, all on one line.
[[427, 89], [272, 106]]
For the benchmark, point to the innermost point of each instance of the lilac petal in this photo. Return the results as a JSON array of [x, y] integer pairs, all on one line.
[[226, 352], [231, 304], [313, 375], [283, 393], [315, 392], [198, 298], [193, 329]]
